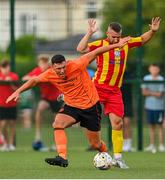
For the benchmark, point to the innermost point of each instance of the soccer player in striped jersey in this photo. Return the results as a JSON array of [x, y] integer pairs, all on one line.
[[109, 75]]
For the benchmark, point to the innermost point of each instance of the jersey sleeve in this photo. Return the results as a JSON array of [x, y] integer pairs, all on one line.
[[94, 45], [144, 85], [82, 62], [135, 42], [44, 77]]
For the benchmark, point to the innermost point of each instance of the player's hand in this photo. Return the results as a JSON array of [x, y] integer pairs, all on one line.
[[123, 41], [154, 26], [92, 28], [14, 96], [60, 98]]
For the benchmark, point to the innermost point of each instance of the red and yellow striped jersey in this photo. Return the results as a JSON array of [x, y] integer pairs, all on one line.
[[111, 65]]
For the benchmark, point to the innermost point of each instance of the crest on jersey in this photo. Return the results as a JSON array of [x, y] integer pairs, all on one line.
[[117, 54]]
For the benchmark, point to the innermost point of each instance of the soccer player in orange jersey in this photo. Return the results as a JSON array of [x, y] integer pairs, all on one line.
[[108, 78], [80, 97]]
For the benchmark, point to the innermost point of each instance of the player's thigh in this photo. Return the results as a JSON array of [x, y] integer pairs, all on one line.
[[91, 118], [12, 123], [3, 123], [63, 121], [42, 105]]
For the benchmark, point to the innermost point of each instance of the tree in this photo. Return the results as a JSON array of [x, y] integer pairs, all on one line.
[[124, 11]]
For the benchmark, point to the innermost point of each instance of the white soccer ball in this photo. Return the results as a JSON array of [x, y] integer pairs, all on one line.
[[102, 161]]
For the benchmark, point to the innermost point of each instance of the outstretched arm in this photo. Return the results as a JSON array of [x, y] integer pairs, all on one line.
[[29, 84], [154, 26], [93, 54], [83, 44]]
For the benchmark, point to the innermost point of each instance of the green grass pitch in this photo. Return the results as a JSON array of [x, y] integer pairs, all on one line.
[[26, 163]]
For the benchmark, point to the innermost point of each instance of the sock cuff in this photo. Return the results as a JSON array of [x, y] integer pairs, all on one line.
[[118, 132], [55, 129]]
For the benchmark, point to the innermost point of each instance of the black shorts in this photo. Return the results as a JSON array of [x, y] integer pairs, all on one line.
[[55, 105], [8, 113], [89, 118]]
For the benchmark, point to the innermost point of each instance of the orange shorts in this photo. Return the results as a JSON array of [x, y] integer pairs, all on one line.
[[112, 100]]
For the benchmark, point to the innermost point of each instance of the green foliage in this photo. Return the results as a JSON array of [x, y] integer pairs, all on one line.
[[23, 63], [25, 45], [25, 53], [124, 11]]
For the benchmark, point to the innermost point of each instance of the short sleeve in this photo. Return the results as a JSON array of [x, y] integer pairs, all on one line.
[[94, 45], [161, 86], [135, 42], [144, 86], [82, 62], [44, 77]]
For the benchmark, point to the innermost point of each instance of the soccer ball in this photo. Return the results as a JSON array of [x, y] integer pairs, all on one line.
[[102, 161]]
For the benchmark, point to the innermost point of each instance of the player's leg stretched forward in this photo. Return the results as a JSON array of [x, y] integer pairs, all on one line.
[[95, 141], [61, 122]]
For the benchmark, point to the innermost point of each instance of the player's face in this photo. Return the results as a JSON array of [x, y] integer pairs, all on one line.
[[60, 69], [5, 70], [154, 70], [113, 37], [43, 65]]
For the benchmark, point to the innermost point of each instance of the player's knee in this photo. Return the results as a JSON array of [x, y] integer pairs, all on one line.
[[40, 109], [118, 125], [58, 124]]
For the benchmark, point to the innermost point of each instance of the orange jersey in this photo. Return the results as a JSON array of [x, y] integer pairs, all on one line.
[[111, 65], [78, 89]]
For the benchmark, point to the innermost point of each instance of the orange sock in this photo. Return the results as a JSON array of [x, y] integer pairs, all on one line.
[[60, 140], [103, 147]]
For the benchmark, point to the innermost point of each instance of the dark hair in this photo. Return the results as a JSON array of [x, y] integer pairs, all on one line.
[[4, 63], [58, 58], [155, 64], [117, 27]]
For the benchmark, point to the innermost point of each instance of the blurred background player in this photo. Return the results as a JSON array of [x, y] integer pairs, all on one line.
[[49, 94], [26, 108], [126, 90], [154, 105], [8, 112], [110, 70]]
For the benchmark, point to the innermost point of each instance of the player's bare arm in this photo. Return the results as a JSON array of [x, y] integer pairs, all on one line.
[[29, 84], [83, 44], [147, 92], [154, 26], [93, 54]]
